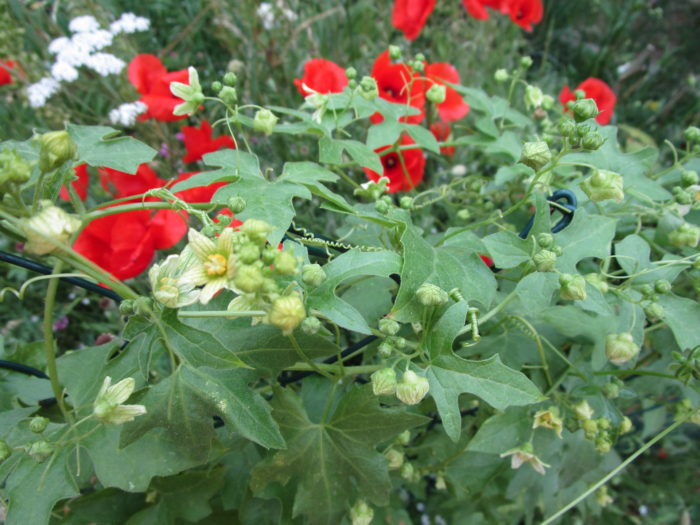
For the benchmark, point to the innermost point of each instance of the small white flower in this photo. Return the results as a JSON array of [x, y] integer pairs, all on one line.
[[93, 40], [59, 44], [105, 64], [74, 54], [129, 23], [266, 15], [84, 23], [108, 406], [40, 92], [64, 72], [126, 113], [191, 93]]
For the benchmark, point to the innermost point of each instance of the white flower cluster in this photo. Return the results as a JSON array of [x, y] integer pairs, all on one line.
[[266, 12], [126, 113], [83, 48]]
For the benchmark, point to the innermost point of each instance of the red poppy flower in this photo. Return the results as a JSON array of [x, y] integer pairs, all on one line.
[[80, 186], [150, 78], [404, 169], [200, 194], [597, 90], [198, 141], [323, 76], [477, 8], [399, 84], [526, 12], [5, 66], [410, 16], [121, 184], [453, 107], [441, 131]]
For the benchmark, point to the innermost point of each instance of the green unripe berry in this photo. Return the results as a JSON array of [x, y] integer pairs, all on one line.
[[236, 204], [406, 202], [662, 286], [230, 78], [545, 240], [313, 274], [689, 178], [38, 424], [285, 263], [216, 86], [310, 325], [248, 253]]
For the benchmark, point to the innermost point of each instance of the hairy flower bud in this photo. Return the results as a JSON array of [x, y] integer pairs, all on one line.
[[611, 390], [685, 235], [692, 134], [351, 73], [412, 388], [287, 313], [13, 169], [361, 513], [535, 154], [313, 274], [501, 75], [584, 109], [567, 127], [248, 279], [406, 202], [603, 445], [625, 425], [604, 184], [230, 78], [394, 52], [598, 281], [264, 121], [38, 424], [583, 129], [248, 253], [545, 260], [395, 458], [236, 204], [40, 451], [57, 148], [368, 88], [385, 349], [592, 140], [257, 230], [436, 94], [654, 312], [388, 326], [573, 287], [407, 471], [229, 95], [404, 438], [382, 207], [384, 382], [285, 263], [545, 240], [620, 348], [662, 286], [311, 325], [51, 223], [431, 295], [526, 62]]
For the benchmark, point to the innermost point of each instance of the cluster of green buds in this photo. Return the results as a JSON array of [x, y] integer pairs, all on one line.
[[652, 309], [603, 185], [582, 131], [597, 281], [685, 235], [545, 259], [226, 89], [51, 225], [13, 169], [410, 390], [572, 287]]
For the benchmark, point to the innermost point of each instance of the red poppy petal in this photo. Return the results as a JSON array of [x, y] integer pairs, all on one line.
[[80, 186], [409, 16], [143, 70]]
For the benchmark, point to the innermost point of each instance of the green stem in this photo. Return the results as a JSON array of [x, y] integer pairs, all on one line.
[[223, 313], [488, 315], [113, 210], [332, 367], [314, 366]]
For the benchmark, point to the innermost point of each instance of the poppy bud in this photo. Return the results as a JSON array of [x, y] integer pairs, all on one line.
[[685, 235], [406, 202], [689, 178], [38, 424], [5, 451], [501, 75], [313, 274], [662, 286], [311, 325], [597, 281], [384, 382], [388, 326], [57, 148], [40, 451], [436, 94], [230, 78], [585, 109], [248, 279], [412, 388], [12, 168], [535, 154], [604, 184], [526, 62], [351, 73], [361, 513], [394, 52], [545, 260], [264, 121], [545, 240], [592, 140], [567, 128], [431, 295], [287, 313], [533, 97], [625, 425], [50, 223], [573, 287], [256, 230], [620, 348], [286, 263], [654, 311], [368, 88], [692, 134], [583, 411], [395, 458]]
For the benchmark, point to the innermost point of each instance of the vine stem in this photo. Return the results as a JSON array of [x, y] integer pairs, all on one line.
[[613, 473], [223, 313], [300, 353], [49, 347]]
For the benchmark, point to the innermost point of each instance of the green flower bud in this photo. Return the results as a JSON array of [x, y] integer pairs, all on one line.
[[681, 196], [385, 349], [51, 223], [40, 451], [382, 207], [545, 240], [557, 250], [526, 62], [692, 134], [584, 109], [603, 423], [264, 121], [583, 411], [287, 313], [620, 348], [268, 254], [533, 97], [407, 471], [57, 148], [436, 94], [573, 287], [611, 390], [270, 286], [598, 281], [662, 286], [361, 513], [236, 204], [689, 178], [216, 86], [604, 184], [548, 102], [248, 253], [229, 95], [38, 424], [625, 425], [685, 235], [230, 78], [646, 290], [249, 279], [404, 438], [590, 426], [368, 88], [545, 261], [256, 230], [406, 202], [126, 307], [313, 274], [395, 458], [399, 342], [286, 263], [394, 52], [5, 451], [583, 129], [592, 140], [654, 311], [351, 73], [412, 388], [567, 127], [431, 295], [311, 325], [603, 445], [463, 215], [13, 169], [535, 154], [501, 75], [420, 57], [388, 326], [384, 382]]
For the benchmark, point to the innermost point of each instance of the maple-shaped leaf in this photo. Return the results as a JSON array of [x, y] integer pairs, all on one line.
[[99, 147], [333, 463]]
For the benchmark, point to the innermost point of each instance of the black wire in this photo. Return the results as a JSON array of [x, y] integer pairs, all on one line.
[[24, 369], [46, 270]]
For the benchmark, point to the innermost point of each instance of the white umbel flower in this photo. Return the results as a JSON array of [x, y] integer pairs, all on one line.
[[64, 72], [93, 40], [59, 44], [74, 53], [83, 24], [105, 64], [129, 23], [126, 113], [41, 91]]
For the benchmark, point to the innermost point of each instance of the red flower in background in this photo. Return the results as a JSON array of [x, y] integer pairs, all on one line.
[[199, 194], [525, 12], [198, 141], [441, 131], [121, 184], [410, 16], [150, 78], [597, 90], [454, 107], [399, 84], [477, 8], [5, 66], [80, 186], [403, 176], [323, 76]]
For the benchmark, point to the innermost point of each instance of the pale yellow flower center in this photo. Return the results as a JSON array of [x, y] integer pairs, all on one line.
[[215, 264]]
